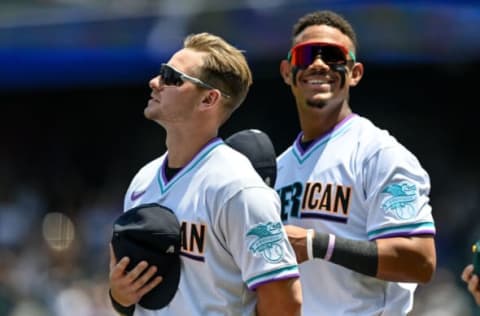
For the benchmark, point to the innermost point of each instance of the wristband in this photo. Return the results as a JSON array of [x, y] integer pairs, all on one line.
[[357, 255], [310, 233], [122, 310], [331, 246]]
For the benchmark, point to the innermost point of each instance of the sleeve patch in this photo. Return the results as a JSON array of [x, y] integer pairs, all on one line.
[[399, 200], [268, 241]]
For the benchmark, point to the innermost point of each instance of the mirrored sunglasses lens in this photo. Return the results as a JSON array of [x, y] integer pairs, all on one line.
[[304, 56], [333, 55], [301, 57]]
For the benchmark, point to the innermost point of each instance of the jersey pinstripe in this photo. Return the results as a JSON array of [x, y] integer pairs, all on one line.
[[356, 182], [232, 237]]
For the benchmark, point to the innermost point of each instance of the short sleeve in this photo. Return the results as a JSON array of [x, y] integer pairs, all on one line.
[[256, 238], [397, 192]]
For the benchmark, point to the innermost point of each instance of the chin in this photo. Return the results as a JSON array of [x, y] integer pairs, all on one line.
[[148, 113], [319, 104]]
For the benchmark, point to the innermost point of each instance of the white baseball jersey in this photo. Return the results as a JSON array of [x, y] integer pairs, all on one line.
[[232, 236], [356, 182]]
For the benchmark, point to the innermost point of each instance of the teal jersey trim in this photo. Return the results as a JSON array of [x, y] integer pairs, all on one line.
[[293, 269], [326, 139], [164, 187], [402, 230]]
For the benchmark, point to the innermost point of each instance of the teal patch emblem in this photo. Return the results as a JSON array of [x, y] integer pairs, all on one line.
[[400, 201], [269, 236]]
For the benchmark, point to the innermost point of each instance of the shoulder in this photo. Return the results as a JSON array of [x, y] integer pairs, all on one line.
[[229, 161], [228, 167], [372, 134], [284, 156], [228, 175], [372, 139], [381, 150]]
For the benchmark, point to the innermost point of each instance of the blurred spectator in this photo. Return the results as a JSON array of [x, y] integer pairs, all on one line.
[[443, 297], [472, 281]]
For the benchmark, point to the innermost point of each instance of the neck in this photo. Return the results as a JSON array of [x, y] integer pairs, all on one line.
[[184, 145], [322, 121]]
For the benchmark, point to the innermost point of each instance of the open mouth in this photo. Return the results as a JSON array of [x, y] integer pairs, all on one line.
[[322, 83], [318, 81]]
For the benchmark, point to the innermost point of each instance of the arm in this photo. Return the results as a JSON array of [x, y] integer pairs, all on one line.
[[279, 298], [406, 259], [472, 281], [399, 259], [127, 288], [253, 214], [388, 173]]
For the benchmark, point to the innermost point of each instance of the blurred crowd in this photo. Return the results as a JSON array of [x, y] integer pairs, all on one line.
[[53, 262]]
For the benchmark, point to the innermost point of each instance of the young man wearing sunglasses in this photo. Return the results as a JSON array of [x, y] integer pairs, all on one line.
[[235, 255], [355, 202]]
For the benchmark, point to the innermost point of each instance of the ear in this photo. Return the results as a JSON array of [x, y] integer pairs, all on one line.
[[210, 98], [357, 74], [286, 71]]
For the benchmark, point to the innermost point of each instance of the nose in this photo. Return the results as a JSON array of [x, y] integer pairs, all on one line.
[[155, 82], [319, 63]]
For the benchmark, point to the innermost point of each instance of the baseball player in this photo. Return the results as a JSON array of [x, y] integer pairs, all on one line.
[[235, 255], [355, 200]]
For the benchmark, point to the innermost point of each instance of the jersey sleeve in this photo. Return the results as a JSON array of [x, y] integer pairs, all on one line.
[[256, 238], [397, 192]]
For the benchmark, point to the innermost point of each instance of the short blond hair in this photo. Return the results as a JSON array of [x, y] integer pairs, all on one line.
[[225, 67]]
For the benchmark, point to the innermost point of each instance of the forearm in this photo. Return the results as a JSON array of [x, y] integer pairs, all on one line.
[[279, 298], [406, 259], [399, 259], [359, 256]]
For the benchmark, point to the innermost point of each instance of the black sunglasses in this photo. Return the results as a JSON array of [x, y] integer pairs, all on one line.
[[173, 77]]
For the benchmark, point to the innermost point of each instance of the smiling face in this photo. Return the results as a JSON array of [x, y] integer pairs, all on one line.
[[320, 85]]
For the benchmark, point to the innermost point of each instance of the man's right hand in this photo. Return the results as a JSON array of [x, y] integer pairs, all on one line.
[[127, 288]]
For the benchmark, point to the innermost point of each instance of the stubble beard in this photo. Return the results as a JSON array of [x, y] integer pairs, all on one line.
[[316, 104]]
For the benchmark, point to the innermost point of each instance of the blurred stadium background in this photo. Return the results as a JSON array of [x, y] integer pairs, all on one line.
[[73, 85]]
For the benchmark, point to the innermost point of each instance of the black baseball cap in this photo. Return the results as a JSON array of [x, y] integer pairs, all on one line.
[[258, 148], [151, 232]]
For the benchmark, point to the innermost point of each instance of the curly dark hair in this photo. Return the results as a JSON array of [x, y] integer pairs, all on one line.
[[325, 17]]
